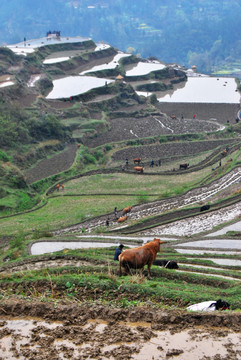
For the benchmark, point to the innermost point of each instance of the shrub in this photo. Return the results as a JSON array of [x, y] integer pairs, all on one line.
[[108, 147], [3, 156], [153, 99], [89, 159]]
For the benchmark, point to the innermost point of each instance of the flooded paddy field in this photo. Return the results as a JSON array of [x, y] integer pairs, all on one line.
[[75, 85], [205, 90]]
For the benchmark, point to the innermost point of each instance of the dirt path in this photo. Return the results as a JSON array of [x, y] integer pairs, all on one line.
[[69, 331]]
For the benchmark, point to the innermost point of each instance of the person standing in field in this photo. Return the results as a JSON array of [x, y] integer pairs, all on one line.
[[118, 251]]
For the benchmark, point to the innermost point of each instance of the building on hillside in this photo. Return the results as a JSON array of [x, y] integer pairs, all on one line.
[[119, 77], [53, 35], [194, 68]]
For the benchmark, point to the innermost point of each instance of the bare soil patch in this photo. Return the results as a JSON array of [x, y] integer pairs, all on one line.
[[54, 165], [168, 150], [220, 112], [130, 127]]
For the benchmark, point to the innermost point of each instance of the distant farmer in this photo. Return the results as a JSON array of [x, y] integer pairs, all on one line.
[[115, 211], [194, 116], [118, 251], [159, 162], [152, 163], [127, 162], [107, 222], [182, 117]]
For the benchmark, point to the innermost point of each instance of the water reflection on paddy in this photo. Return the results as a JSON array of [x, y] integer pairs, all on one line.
[[111, 65], [75, 85], [201, 252], [7, 83], [223, 231], [229, 262], [56, 60], [36, 43], [101, 46], [43, 247], [143, 68], [215, 244], [205, 90]]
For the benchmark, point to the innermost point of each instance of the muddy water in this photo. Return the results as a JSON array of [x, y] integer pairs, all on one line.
[[33, 338], [15, 335], [187, 345]]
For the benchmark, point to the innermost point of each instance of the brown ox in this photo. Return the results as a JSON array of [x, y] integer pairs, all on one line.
[[184, 166], [122, 219], [139, 169], [137, 258], [126, 210], [59, 186], [137, 160], [224, 153], [173, 117]]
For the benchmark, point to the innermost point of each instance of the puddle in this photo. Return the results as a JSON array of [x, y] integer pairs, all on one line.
[[205, 90], [75, 85], [187, 345], [144, 68], [100, 325], [15, 336]]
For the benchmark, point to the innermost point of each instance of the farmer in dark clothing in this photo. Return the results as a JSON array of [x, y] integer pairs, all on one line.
[[118, 251]]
